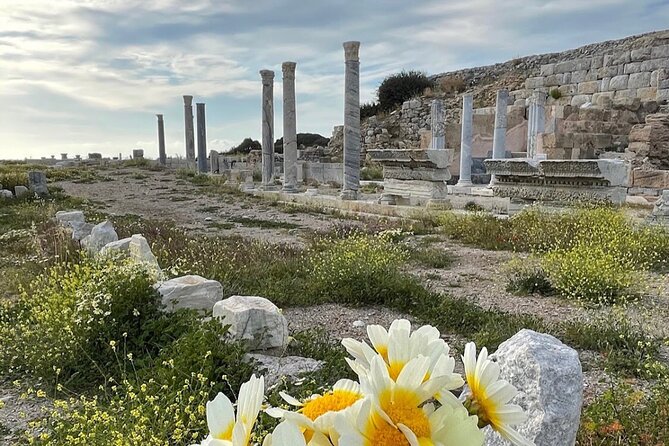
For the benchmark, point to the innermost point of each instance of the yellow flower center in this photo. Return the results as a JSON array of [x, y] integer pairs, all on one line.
[[402, 408], [483, 407], [330, 402]]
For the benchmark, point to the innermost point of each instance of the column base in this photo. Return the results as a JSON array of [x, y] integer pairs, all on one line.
[[388, 199], [269, 187], [290, 189], [349, 195]]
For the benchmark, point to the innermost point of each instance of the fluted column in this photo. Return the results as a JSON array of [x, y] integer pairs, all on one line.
[[437, 124], [162, 156], [289, 128], [466, 140], [190, 135], [267, 77], [201, 139], [539, 118], [351, 121], [499, 134]]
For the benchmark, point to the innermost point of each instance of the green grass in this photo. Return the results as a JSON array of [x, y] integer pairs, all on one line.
[[263, 224]]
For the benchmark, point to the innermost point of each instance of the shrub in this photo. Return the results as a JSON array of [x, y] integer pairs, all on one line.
[[555, 93], [246, 146], [397, 88], [525, 276], [452, 84], [371, 173], [368, 109], [590, 273], [10, 180]]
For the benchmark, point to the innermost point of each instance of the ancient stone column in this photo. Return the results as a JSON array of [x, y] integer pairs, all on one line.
[[190, 136], [499, 134], [437, 124], [201, 139], [289, 129], [162, 156], [267, 127], [466, 141], [214, 162], [539, 118], [351, 121], [530, 127]]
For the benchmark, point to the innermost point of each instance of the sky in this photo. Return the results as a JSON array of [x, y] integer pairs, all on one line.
[[82, 76]]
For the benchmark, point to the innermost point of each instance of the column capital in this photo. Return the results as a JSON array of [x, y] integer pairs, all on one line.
[[160, 117], [288, 68], [188, 99], [267, 75], [351, 50]]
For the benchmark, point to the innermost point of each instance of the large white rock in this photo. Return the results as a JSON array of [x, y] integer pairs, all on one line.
[[4, 193], [122, 245], [75, 221], [191, 292], [100, 235], [21, 191], [136, 247], [291, 368], [255, 320], [550, 380]]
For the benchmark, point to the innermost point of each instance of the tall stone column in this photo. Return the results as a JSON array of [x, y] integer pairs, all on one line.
[[466, 141], [351, 121], [499, 134], [437, 124], [289, 129], [267, 77], [201, 139], [162, 156], [539, 118], [190, 135]]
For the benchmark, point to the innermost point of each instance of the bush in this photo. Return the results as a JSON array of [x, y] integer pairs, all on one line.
[[246, 146], [371, 173], [400, 87], [304, 139], [368, 109], [555, 93], [452, 84], [525, 276]]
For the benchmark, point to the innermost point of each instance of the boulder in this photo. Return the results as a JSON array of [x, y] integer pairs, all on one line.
[[122, 245], [100, 235], [140, 250], [255, 320], [289, 367], [191, 292], [37, 183], [548, 375], [4, 193], [21, 191], [66, 218]]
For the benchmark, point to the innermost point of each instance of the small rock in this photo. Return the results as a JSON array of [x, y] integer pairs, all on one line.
[[208, 219], [4, 193], [192, 292], [358, 324], [255, 320], [21, 191], [101, 234], [549, 377], [290, 367]]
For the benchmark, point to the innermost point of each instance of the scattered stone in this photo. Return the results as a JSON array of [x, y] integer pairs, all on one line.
[[255, 320], [21, 191], [118, 245], [100, 235], [37, 183], [289, 367], [550, 380], [208, 219], [358, 324], [141, 251], [4, 193], [660, 212], [76, 222], [191, 292]]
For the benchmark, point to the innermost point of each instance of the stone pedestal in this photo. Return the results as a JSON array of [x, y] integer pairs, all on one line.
[[214, 165], [351, 121], [162, 156], [37, 183], [499, 134], [201, 139], [190, 135], [466, 140], [267, 77], [438, 125], [414, 177], [289, 129]]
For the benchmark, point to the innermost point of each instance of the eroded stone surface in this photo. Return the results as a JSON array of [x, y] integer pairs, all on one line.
[[290, 368], [255, 320], [191, 292], [100, 235]]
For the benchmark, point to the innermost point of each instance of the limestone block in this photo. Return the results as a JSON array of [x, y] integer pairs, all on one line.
[[617, 58], [639, 80], [657, 76], [639, 55], [554, 80], [568, 90], [190, 292], [632, 67], [565, 67], [4, 193], [604, 100], [255, 320], [548, 375], [66, 218], [578, 76], [647, 93], [596, 62], [654, 64], [291, 368], [548, 69], [37, 183], [605, 85], [580, 100], [619, 82], [100, 235], [21, 191], [119, 245], [659, 52], [137, 248], [534, 82], [625, 94], [662, 95], [607, 72], [650, 178], [590, 87]]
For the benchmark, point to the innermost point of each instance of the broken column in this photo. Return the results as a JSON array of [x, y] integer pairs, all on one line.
[[267, 77], [466, 141], [351, 121], [438, 125], [190, 136], [214, 162], [535, 121], [162, 156], [499, 134], [201, 139], [289, 129]]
